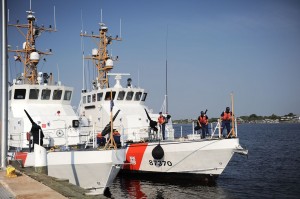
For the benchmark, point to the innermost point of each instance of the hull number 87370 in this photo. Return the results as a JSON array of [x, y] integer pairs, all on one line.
[[160, 163]]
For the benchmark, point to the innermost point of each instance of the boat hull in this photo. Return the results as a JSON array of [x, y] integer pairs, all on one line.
[[92, 170], [202, 157]]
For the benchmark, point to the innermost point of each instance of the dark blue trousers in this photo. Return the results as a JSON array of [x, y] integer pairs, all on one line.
[[204, 130], [226, 124], [163, 129]]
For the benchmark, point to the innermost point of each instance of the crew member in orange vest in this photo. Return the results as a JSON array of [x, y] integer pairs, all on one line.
[[162, 124], [226, 120], [203, 121]]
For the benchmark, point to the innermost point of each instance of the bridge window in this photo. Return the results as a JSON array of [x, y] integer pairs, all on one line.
[[107, 95], [99, 96], [138, 96], [89, 99], [144, 97], [68, 95], [57, 94], [46, 94], [94, 98], [121, 95], [84, 99], [129, 95], [34, 93], [20, 94]]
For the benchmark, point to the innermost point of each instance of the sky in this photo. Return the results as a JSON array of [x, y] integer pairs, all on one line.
[[213, 48]]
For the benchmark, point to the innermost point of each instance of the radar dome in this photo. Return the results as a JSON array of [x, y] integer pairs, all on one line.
[[95, 52], [104, 28], [34, 56], [109, 63], [24, 45]]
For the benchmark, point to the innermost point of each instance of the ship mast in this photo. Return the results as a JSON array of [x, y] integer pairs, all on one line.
[[29, 55], [100, 56]]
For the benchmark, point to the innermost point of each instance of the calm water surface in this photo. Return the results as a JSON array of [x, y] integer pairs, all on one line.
[[270, 171]]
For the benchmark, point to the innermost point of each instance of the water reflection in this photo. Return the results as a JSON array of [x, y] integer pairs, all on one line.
[[271, 171], [133, 187]]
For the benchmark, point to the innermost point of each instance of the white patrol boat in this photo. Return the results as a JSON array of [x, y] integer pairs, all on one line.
[[34, 99], [146, 152]]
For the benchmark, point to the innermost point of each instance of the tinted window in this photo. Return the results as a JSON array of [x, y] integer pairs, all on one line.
[[89, 99], [138, 96], [129, 95], [34, 93], [84, 99], [144, 96], [57, 94], [99, 96], [68, 95], [20, 94], [94, 98], [121, 95], [107, 95], [46, 94]]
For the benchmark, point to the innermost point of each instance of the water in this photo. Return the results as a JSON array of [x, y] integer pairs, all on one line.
[[270, 171]]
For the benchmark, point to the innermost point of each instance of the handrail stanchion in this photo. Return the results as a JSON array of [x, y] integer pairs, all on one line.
[[122, 140], [93, 135], [236, 132], [193, 130], [181, 131], [219, 124], [211, 130], [40, 137]]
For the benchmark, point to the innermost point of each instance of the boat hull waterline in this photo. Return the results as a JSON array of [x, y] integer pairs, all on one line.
[[207, 157]]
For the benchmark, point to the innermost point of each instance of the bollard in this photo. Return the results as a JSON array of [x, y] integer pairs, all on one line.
[[11, 172], [40, 159]]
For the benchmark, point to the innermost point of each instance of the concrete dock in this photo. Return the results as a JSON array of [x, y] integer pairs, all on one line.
[[25, 187], [31, 185]]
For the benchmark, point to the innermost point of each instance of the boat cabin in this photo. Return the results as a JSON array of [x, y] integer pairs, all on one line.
[[126, 95], [40, 93]]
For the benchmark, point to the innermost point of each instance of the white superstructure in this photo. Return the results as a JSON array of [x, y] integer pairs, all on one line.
[[132, 121], [50, 107]]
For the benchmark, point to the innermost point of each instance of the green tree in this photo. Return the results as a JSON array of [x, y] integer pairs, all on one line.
[[274, 117]]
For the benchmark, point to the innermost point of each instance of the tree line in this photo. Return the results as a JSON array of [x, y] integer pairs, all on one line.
[[252, 117]]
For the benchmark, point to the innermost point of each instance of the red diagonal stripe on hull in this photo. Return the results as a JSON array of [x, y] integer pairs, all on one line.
[[21, 156], [135, 151]]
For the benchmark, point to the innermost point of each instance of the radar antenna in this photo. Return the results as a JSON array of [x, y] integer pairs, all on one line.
[[100, 57], [29, 55]]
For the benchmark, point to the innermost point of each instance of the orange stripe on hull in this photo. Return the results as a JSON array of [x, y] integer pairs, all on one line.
[[134, 155]]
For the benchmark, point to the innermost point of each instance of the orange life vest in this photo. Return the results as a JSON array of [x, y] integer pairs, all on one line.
[[203, 120], [116, 133], [161, 119], [99, 135], [226, 116]]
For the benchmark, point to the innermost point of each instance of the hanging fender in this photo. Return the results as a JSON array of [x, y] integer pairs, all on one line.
[[158, 152]]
